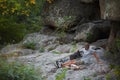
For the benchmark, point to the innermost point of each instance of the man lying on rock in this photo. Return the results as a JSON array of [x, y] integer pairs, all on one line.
[[84, 57]]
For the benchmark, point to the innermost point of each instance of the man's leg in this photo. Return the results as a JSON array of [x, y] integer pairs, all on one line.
[[69, 63]]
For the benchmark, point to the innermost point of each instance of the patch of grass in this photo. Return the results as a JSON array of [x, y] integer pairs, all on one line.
[[87, 78], [29, 45], [17, 71], [56, 52], [42, 49], [108, 77], [74, 47], [61, 76], [94, 75]]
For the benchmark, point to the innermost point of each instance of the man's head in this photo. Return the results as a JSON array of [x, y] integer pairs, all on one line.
[[87, 46]]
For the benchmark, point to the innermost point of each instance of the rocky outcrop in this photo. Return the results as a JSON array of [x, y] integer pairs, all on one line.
[[68, 13], [45, 61], [92, 31]]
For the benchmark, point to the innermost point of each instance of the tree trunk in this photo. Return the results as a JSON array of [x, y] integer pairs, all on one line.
[[115, 28]]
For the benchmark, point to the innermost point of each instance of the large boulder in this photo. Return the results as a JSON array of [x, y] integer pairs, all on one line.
[[92, 31], [68, 13]]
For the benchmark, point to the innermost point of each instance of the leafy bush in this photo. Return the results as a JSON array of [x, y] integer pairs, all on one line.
[[34, 24], [117, 71], [20, 7], [10, 31], [17, 71], [61, 76], [29, 45]]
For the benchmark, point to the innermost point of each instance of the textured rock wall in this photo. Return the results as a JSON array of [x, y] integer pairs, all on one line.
[[64, 13], [110, 9]]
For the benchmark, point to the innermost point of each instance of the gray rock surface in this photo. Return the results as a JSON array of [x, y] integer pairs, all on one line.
[[92, 31], [45, 61], [62, 14]]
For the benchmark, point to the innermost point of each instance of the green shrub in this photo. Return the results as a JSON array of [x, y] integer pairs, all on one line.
[[10, 31], [61, 76], [29, 45], [17, 71], [34, 24], [108, 77], [117, 71]]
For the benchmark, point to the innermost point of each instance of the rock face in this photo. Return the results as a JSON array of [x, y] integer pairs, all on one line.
[[110, 9], [45, 61], [67, 13], [81, 18], [93, 31]]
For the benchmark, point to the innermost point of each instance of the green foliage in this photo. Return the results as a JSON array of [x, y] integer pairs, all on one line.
[[89, 37], [74, 48], [108, 77], [18, 17], [29, 45], [56, 52], [34, 24], [114, 54], [42, 49], [61, 34], [20, 7], [85, 78], [117, 71], [17, 71], [66, 18], [61, 76], [10, 31]]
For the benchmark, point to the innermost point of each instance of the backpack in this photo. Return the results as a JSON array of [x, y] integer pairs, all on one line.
[[76, 55]]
